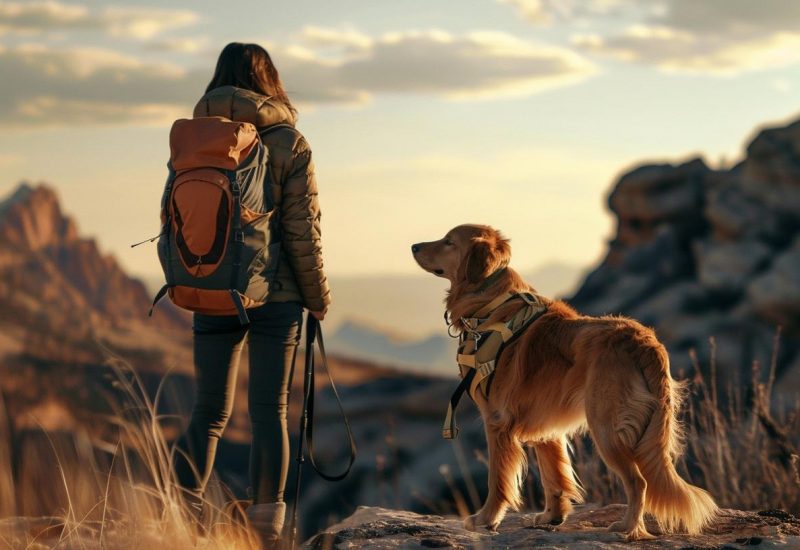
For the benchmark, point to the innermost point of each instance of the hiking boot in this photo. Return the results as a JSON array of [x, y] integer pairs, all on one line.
[[266, 520]]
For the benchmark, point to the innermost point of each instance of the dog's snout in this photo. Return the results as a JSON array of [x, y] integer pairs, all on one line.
[[415, 248]]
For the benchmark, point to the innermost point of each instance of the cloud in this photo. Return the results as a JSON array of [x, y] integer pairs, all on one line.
[[62, 86], [721, 37], [145, 23], [178, 45], [471, 66], [743, 18], [78, 86], [140, 23], [41, 16], [679, 51], [546, 12]]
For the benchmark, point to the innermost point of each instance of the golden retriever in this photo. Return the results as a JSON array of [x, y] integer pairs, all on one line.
[[565, 373]]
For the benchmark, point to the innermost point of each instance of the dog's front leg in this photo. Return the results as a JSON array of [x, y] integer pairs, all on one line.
[[558, 481], [506, 462]]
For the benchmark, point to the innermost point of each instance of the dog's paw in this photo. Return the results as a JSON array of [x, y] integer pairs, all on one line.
[[638, 533], [546, 518], [476, 521]]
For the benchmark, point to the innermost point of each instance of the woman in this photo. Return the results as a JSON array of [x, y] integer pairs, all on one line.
[[246, 88]]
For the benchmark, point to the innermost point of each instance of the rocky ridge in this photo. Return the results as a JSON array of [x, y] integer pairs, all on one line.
[[702, 253], [58, 291], [65, 308]]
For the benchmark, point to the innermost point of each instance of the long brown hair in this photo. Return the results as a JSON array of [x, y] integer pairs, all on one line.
[[249, 66]]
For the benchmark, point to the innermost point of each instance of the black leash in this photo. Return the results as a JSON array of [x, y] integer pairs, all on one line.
[[314, 333]]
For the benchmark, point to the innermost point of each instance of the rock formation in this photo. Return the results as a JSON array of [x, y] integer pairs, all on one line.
[[701, 253], [47, 269], [64, 308]]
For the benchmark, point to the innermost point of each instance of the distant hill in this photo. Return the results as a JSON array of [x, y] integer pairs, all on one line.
[[434, 354]]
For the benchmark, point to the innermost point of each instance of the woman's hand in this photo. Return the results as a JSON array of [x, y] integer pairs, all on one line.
[[319, 315]]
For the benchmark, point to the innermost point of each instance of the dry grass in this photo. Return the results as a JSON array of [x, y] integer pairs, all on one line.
[[114, 491]]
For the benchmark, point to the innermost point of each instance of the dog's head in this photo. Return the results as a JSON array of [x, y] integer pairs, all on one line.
[[467, 254]]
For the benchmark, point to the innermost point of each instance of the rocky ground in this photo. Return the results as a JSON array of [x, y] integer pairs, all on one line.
[[380, 528]]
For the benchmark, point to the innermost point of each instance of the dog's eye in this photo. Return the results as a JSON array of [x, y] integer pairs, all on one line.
[[448, 242]]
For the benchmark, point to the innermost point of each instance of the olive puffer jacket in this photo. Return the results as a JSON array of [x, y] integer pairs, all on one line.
[[293, 186]]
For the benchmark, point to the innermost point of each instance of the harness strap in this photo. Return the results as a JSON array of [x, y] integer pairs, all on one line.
[[466, 360], [502, 328], [483, 373], [494, 304], [449, 430]]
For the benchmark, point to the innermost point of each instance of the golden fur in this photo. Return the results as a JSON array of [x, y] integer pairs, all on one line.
[[566, 373]]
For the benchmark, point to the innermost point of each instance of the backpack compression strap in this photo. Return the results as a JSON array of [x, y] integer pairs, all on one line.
[[160, 294]]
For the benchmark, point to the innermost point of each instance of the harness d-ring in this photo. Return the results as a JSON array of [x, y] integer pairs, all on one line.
[[449, 324], [450, 333]]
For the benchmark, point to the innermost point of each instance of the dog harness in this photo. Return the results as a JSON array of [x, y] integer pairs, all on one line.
[[480, 346]]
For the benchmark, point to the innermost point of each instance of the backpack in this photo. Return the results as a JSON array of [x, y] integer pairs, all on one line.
[[217, 247]]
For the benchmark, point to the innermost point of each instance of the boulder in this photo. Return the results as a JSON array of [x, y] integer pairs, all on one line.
[[701, 253], [728, 266], [775, 294], [734, 213]]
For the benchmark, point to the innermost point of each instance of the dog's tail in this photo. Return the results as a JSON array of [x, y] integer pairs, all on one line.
[[674, 502]]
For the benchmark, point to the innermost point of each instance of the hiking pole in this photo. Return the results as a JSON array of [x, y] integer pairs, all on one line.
[[311, 334]]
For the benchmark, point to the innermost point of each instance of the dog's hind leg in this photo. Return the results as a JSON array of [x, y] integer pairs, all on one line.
[[507, 463], [620, 459], [558, 481]]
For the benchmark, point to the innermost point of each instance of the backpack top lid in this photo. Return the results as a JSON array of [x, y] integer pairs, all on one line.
[[210, 142], [243, 106]]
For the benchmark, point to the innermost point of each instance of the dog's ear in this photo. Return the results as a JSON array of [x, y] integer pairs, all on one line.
[[502, 251], [479, 260], [486, 256]]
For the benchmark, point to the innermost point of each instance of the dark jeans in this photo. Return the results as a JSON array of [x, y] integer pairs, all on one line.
[[272, 337]]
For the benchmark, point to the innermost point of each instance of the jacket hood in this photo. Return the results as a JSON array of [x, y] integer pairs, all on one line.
[[243, 106]]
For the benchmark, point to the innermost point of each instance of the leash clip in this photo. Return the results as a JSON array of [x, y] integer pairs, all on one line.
[[474, 333]]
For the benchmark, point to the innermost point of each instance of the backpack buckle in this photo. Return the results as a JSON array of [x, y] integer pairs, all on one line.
[[238, 236]]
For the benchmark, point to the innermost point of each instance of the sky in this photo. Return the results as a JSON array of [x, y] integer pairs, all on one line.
[[422, 114]]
